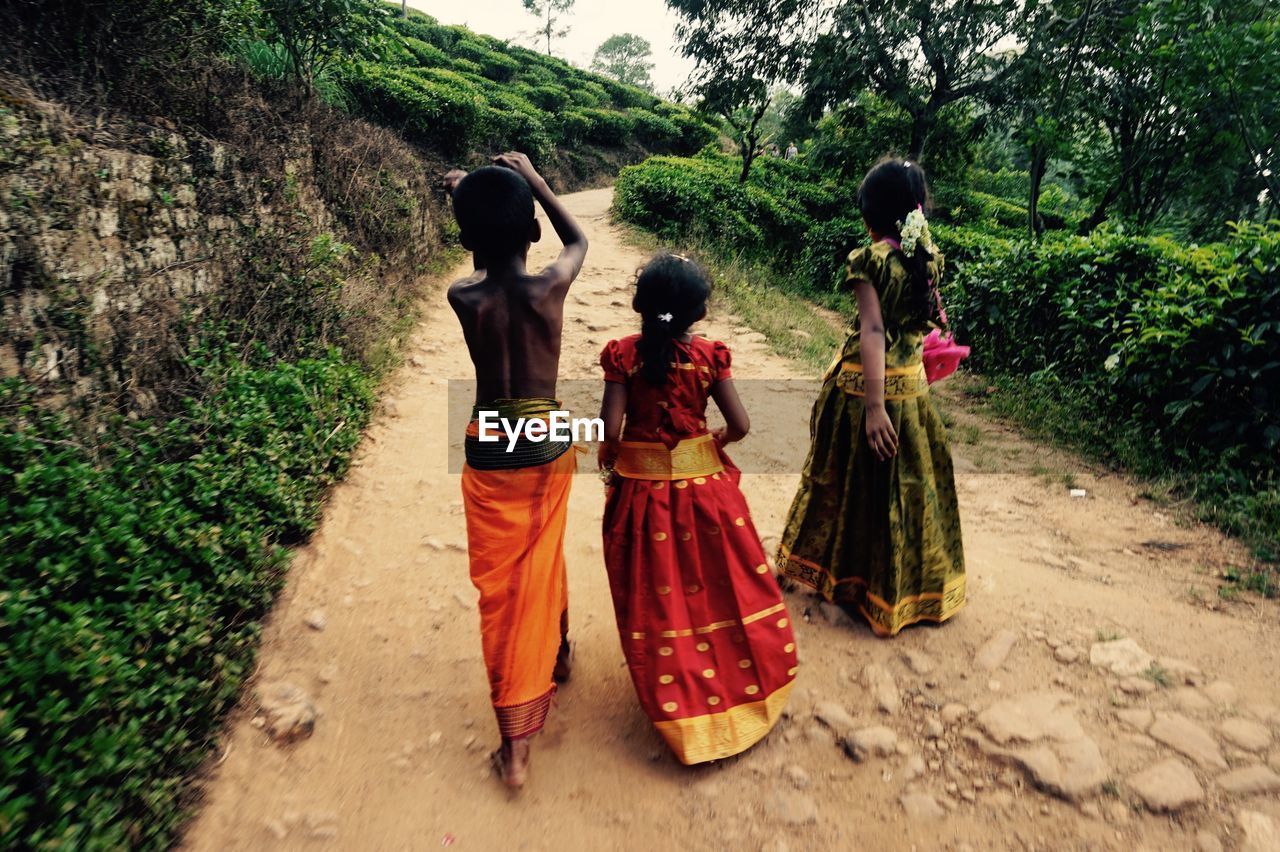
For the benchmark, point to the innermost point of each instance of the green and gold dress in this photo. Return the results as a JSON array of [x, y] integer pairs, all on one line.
[[883, 536]]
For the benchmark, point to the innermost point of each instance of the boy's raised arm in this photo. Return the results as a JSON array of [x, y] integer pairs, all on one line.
[[569, 264]]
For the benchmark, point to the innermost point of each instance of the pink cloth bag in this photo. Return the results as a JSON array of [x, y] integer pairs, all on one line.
[[942, 355]]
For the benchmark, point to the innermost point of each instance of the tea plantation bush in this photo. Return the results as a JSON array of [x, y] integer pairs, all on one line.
[[1166, 356], [457, 91], [132, 575]]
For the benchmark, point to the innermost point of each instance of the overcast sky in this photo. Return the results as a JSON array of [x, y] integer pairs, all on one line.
[[590, 23]]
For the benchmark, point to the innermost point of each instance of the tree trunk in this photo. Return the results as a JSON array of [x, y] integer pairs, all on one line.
[[748, 157], [1099, 214], [1039, 164], [921, 124]]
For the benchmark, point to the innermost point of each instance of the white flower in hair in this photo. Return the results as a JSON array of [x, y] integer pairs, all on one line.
[[666, 317], [915, 231]]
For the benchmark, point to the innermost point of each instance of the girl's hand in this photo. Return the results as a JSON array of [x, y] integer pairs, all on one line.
[[607, 456], [880, 433], [718, 435]]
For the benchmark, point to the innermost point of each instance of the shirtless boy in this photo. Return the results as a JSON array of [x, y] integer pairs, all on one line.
[[516, 498]]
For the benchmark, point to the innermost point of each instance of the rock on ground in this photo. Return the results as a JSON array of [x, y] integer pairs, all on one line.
[[1123, 657], [1259, 832], [1245, 734], [287, 711], [1188, 738], [1250, 781], [992, 655], [919, 662], [877, 741], [1168, 786], [835, 717], [1040, 734], [884, 690], [792, 808], [921, 807]]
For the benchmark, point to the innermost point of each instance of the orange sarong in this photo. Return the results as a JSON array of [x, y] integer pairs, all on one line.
[[515, 538]]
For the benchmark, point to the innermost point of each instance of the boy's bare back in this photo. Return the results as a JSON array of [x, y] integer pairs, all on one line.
[[512, 319]]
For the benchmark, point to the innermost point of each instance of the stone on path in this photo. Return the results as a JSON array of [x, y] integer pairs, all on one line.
[[1122, 657], [1191, 700], [919, 662], [992, 655], [316, 620], [287, 712], [953, 713], [1067, 654], [798, 777], [792, 808], [1250, 781], [882, 687], [1259, 832], [1245, 734], [1139, 720], [1040, 734], [1168, 786], [1188, 738], [1221, 693], [836, 718], [1137, 686], [877, 741], [921, 807]]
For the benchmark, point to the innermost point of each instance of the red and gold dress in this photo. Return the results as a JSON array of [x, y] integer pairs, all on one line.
[[703, 625]]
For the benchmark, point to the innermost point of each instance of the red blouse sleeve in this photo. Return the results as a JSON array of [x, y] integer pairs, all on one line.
[[611, 361], [720, 361]]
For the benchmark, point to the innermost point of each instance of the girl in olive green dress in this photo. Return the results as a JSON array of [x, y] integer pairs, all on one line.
[[875, 524]]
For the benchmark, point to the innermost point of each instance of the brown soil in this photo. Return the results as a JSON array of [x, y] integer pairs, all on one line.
[[399, 754]]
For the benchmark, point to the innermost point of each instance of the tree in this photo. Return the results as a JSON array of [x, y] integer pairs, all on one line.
[[925, 55], [1184, 91], [549, 13], [743, 50], [316, 32], [626, 58]]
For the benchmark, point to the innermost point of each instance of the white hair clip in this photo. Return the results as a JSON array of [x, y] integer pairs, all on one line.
[[666, 317]]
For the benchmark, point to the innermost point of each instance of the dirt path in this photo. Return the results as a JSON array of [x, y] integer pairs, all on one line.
[[398, 757]]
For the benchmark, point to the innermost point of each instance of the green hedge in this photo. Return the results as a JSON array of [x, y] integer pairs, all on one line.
[[447, 115], [132, 576]]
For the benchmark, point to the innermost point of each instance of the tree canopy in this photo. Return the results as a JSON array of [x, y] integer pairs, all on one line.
[[626, 58]]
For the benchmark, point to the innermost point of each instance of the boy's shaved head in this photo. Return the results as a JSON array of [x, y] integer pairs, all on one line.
[[494, 208]]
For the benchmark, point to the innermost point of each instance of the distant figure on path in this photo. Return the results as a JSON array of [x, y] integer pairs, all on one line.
[[875, 524], [703, 626], [792, 151], [516, 501]]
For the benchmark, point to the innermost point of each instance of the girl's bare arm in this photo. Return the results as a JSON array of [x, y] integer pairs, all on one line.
[[737, 422], [612, 411], [880, 432]]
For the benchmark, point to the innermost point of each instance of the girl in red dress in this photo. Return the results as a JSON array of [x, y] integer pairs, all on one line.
[[704, 629]]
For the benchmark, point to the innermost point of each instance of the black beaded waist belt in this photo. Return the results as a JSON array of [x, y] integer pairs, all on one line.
[[501, 454]]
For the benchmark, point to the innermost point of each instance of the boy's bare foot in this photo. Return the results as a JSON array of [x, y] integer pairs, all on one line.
[[511, 762], [564, 661]]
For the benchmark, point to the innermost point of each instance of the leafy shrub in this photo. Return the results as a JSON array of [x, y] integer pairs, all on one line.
[[519, 125], [425, 54], [590, 96], [654, 131], [611, 129], [444, 113], [549, 98], [131, 579]]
